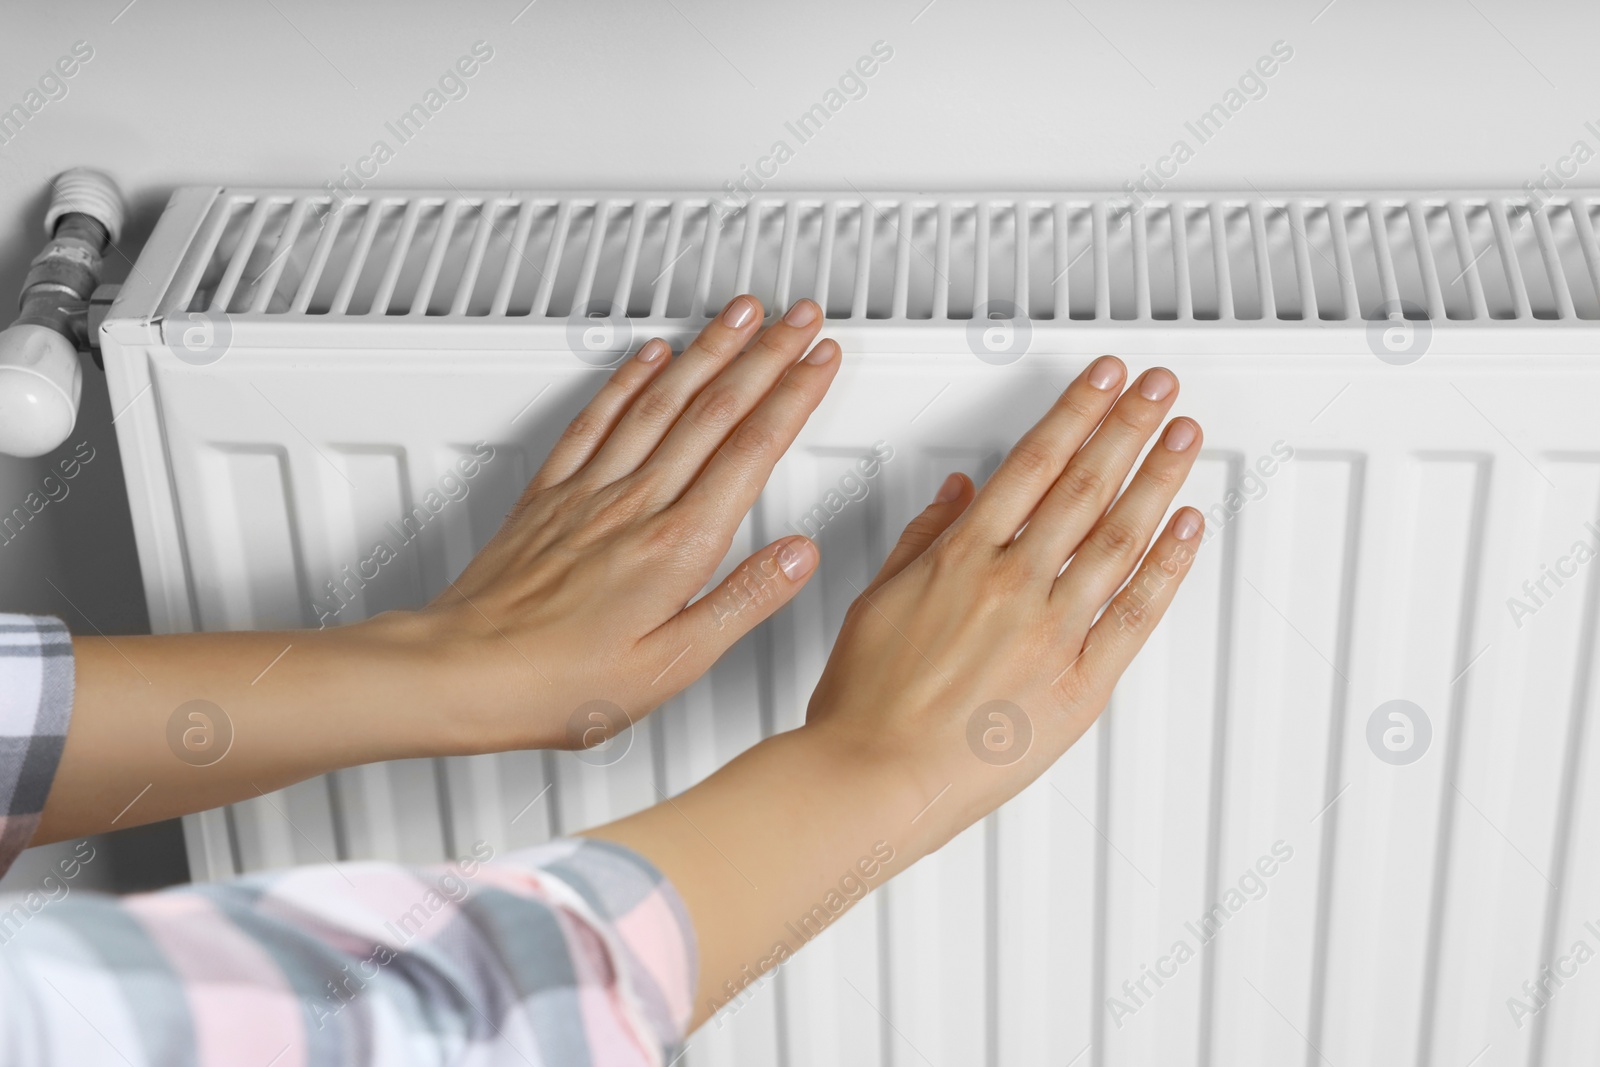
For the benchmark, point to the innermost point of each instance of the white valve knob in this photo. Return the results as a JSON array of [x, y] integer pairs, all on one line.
[[41, 382]]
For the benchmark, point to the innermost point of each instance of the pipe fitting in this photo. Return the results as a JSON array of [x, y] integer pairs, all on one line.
[[41, 380]]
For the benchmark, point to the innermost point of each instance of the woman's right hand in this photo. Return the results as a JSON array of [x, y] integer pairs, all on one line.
[[974, 660]]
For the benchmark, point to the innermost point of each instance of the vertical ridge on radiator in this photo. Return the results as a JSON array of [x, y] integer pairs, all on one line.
[[1228, 551], [1564, 1032], [1338, 712], [1473, 580]]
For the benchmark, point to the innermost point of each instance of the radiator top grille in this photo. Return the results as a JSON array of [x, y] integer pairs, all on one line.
[[899, 257]]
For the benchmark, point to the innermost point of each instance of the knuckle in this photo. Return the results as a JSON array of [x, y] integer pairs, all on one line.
[[955, 548], [676, 530], [1133, 612], [918, 536], [1118, 540], [1082, 482], [777, 346], [1078, 407], [1135, 607], [860, 612], [1133, 420], [717, 407], [656, 406], [624, 501], [753, 439], [1076, 685], [537, 502], [1033, 458], [1166, 476], [585, 427]]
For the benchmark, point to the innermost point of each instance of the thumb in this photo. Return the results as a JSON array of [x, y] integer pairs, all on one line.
[[758, 587], [953, 497]]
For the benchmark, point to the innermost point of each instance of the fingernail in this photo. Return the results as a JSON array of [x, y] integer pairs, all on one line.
[[1186, 525], [740, 310], [801, 314], [1180, 435], [1157, 384], [796, 558], [822, 353], [949, 490], [1105, 373], [653, 350]]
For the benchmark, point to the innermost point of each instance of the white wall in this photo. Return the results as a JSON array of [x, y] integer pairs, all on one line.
[[684, 93]]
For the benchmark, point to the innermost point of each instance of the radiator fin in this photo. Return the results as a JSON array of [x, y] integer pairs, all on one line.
[[901, 258]]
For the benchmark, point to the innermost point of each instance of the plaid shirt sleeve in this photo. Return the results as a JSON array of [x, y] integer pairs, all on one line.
[[575, 952], [35, 704]]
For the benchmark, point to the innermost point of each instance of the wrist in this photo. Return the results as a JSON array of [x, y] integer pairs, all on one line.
[[420, 696], [926, 760], [899, 793], [461, 690]]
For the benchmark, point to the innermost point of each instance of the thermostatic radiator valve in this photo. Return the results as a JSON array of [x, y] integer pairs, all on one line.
[[41, 381]]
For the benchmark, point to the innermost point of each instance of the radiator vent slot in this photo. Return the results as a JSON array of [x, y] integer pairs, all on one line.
[[1228, 259]]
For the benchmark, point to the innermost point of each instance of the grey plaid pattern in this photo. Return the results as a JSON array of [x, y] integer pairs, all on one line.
[[35, 707]]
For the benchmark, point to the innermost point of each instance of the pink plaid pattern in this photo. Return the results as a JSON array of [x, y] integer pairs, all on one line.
[[574, 952]]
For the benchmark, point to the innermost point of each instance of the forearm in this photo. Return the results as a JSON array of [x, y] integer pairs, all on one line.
[[777, 844], [167, 725], [572, 616]]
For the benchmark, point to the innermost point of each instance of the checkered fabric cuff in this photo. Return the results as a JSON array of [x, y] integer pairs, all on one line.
[[35, 707]]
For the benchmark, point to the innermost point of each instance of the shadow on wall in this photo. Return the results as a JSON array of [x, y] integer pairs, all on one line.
[[135, 860]]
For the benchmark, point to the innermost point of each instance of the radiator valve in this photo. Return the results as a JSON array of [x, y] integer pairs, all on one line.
[[41, 380]]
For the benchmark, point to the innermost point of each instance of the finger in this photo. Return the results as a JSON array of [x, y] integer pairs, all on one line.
[[1115, 545], [720, 407], [740, 468], [588, 431], [693, 639], [664, 399], [1126, 624], [1036, 461], [1091, 480], [953, 497]]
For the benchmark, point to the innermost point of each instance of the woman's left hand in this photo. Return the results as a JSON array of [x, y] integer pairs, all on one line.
[[572, 622]]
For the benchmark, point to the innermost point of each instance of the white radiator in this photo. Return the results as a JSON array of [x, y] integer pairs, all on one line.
[[293, 372]]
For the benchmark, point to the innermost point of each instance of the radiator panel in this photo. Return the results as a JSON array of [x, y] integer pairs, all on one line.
[[1369, 523]]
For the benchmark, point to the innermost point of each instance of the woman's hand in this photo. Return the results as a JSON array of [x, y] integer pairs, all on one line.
[[571, 623], [974, 659], [977, 656]]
